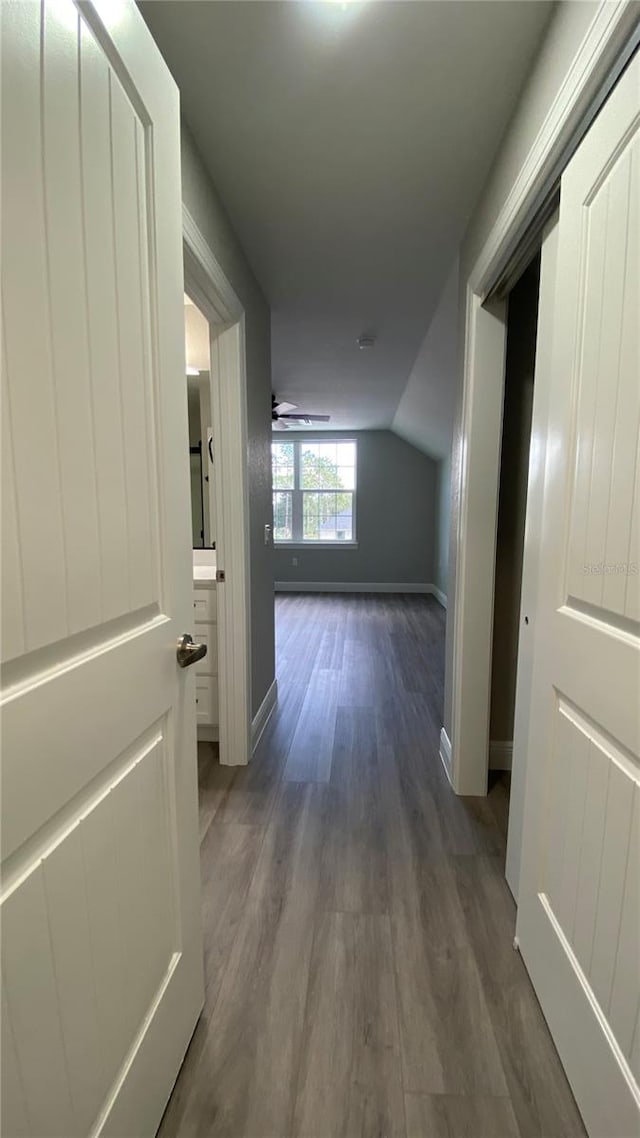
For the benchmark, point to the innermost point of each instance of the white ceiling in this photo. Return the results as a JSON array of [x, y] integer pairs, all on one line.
[[349, 143]]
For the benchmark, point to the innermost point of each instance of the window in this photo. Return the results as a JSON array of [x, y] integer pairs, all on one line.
[[314, 486]]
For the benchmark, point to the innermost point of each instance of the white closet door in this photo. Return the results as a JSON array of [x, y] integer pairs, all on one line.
[[579, 917], [101, 947]]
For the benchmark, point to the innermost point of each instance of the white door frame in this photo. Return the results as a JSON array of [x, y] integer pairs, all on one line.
[[607, 46], [532, 545], [208, 286]]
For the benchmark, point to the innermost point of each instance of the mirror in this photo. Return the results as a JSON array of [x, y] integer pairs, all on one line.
[[200, 432], [200, 451]]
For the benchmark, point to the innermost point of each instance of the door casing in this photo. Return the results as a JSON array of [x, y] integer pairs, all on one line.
[[610, 41], [533, 524], [207, 285]]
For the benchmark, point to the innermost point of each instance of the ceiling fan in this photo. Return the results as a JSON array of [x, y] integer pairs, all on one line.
[[282, 412]]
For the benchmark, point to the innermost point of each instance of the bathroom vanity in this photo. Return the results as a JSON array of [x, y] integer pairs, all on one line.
[[205, 631]]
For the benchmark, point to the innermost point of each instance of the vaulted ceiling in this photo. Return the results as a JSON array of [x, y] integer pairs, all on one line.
[[348, 142]]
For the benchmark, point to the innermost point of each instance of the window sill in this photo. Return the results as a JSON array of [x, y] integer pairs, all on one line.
[[315, 544]]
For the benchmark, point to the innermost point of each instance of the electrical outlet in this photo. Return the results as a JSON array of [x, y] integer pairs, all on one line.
[[294, 560]]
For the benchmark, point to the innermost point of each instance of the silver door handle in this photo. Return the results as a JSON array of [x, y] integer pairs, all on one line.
[[188, 652]]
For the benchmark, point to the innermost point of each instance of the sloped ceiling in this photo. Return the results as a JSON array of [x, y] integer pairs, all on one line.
[[424, 415], [349, 142]]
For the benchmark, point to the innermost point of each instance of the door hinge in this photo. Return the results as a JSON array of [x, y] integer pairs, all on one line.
[[220, 576]]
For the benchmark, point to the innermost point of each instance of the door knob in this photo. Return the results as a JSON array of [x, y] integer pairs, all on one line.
[[188, 652]]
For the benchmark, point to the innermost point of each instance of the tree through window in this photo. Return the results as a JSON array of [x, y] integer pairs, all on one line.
[[314, 486]]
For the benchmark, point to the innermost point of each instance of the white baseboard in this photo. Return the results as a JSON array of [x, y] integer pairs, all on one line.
[[500, 754], [263, 715], [439, 595], [353, 587], [445, 753]]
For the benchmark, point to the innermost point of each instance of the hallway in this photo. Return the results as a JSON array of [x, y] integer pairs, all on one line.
[[360, 975]]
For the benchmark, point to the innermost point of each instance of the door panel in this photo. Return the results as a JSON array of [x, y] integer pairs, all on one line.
[[102, 290], [578, 921], [29, 415], [79, 325], [102, 968], [609, 392]]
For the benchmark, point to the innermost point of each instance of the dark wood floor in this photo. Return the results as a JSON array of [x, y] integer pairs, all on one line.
[[360, 975]]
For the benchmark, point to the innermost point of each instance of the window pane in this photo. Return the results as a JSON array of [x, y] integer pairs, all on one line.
[[328, 466], [347, 476], [327, 516], [310, 517], [317, 469], [282, 465], [346, 454], [282, 515]]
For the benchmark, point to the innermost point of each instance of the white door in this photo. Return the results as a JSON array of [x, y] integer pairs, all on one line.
[[101, 947], [579, 917]]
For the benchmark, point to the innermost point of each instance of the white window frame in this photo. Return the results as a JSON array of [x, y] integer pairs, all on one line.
[[297, 492]]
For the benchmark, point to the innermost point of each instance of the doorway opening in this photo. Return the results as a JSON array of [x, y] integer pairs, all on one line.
[[222, 518], [203, 526], [517, 413]]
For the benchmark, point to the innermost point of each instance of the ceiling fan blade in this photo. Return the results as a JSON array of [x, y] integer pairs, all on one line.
[[307, 418], [280, 408]]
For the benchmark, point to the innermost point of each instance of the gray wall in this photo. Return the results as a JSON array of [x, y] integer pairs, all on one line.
[[567, 28], [396, 515], [443, 498], [424, 416], [202, 201]]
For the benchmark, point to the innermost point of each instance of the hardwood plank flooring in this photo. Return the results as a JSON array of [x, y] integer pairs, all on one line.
[[213, 782], [310, 753], [441, 1116], [540, 1094], [355, 864], [350, 1079], [360, 975]]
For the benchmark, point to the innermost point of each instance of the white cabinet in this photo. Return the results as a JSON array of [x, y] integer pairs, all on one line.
[[205, 631]]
